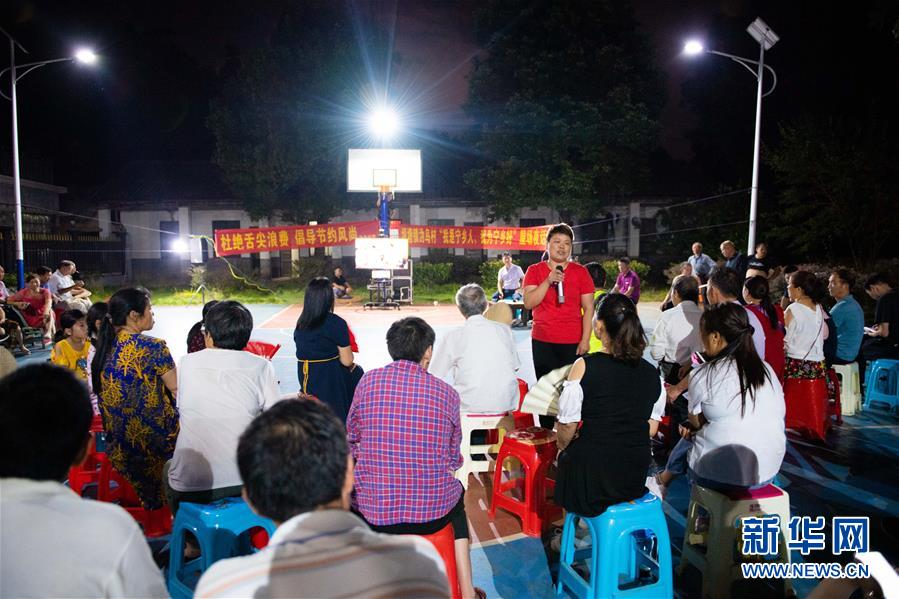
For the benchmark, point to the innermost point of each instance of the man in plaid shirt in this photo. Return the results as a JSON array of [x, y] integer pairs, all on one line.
[[404, 432]]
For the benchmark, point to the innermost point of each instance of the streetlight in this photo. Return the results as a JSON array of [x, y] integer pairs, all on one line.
[[82, 55], [766, 39]]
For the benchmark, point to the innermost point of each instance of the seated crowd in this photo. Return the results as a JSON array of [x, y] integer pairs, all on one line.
[[358, 466]]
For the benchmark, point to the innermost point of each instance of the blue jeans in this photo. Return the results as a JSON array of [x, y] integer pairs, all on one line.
[[507, 294], [677, 464]]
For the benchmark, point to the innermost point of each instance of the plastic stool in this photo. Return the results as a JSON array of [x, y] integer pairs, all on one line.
[[630, 553], [882, 385], [262, 348], [850, 387], [113, 488], [500, 423], [88, 472], [807, 406], [834, 402], [715, 548], [523, 419], [535, 449], [444, 541], [220, 529]]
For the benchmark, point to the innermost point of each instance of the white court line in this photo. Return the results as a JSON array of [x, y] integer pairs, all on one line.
[[499, 540], [274, 316]]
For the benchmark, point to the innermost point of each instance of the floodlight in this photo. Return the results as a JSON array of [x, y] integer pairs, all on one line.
[[693, 47], [180, 246], [85, 56], [383, 122]]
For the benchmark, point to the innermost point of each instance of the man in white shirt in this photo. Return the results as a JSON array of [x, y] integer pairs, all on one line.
[[508, 280], [72, 292], [55, 544], [221, 389], [298, 471], [479, 358]]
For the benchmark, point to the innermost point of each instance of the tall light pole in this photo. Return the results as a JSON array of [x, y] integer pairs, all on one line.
[[766, 39], [84, 56]]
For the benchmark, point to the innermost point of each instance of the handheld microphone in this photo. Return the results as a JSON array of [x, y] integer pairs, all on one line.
[[561, 290]]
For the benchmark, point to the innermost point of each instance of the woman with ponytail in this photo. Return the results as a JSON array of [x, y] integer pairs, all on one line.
[[134, 377], [771, 316], [613, 393], [734, 436]]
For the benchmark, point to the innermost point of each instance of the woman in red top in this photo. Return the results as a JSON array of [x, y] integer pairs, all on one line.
[[561, 330], [35, 304], [756, 295]]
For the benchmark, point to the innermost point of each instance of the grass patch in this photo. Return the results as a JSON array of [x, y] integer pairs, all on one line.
[[286, 293]]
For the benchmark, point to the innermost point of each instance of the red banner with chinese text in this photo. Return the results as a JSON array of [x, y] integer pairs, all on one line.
[[475, 238], [229, 242]]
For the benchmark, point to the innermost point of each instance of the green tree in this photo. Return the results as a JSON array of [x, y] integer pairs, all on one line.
[[566, 103], [839, 181], [280, 123]]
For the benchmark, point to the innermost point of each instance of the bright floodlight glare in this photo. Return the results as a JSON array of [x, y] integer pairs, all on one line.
[[86, 56], [179, 246], [692, 48], [383, 122]]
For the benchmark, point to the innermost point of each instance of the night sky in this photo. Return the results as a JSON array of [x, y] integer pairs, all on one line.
[[160, 62]]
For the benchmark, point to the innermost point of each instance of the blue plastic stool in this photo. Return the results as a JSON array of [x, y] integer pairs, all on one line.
[[630, 554], [882, 385], [220, 529]]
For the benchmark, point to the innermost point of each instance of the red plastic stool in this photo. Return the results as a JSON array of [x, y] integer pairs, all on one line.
[[807, 409], [835, 406], [155, 523], [444, 541], [535, 449], [88, 471], [263, 349], [522, 420]]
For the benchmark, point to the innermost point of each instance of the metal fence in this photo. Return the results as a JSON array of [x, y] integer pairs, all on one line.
[[92, 255]]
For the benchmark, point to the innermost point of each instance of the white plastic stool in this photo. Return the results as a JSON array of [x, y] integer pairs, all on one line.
[[473, 422], [716, 552], [850, 387]]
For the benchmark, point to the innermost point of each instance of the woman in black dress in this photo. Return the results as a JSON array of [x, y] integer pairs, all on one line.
[[325, 364], [612, 392]]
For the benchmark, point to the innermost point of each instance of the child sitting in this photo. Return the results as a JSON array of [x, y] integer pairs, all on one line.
[[71, 343]]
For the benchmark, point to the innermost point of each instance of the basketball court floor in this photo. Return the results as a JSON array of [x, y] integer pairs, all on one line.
[[856, 473]]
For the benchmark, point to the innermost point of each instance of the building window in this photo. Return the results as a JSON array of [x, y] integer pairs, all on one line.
[[476, 254], [440, 222]]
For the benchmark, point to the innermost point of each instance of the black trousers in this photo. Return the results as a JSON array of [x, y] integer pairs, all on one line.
[[547, 357]]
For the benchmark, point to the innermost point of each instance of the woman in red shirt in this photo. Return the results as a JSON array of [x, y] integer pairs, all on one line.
[[756, 295], [562, 325]]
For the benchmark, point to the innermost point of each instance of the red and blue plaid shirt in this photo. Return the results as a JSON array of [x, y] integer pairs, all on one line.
[[404, 432]]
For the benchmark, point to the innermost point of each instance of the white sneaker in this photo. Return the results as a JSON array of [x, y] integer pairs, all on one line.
[[655, 487]]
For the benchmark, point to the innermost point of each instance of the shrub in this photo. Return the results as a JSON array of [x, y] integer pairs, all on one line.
[[611, 267], [428, 274], [488, 272], [309, 267]]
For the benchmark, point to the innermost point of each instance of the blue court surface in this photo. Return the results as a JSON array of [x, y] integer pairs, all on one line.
[[854, 473]]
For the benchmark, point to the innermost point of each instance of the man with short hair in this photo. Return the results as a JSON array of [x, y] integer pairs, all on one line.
[[340, 285], [734, 260], [297, 471], [725, 285], [404, 432], [508, 280], [54, 543], [759, 264], [220, 390], [847, 316], [628, 281], [882, 339], [479, 358], [701, 263], [72, 292], [676, 336]]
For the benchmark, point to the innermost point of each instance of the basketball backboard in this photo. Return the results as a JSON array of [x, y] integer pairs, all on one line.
[[370, 170]]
